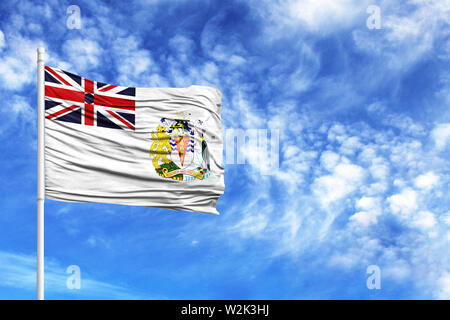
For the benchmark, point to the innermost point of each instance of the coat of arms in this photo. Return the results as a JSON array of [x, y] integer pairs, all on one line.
[[179, 150]]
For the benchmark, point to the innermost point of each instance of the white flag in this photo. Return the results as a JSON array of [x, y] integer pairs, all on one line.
[[158, 147]]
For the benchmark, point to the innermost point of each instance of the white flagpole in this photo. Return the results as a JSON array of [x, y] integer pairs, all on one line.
[[40, 175]]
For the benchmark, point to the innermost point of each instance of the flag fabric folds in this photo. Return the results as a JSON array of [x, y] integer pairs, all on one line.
[[158, 147]]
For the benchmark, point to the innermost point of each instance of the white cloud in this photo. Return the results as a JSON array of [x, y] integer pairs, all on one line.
[[370, 209], [403, 203], [183, 47], [367, 154], [379, 168], [84, 54], [364, 218], [2, 40], [20, 107], [251, 225], [132, 61], [95, 241], [337, 133], [320, 16], [210, 71], [397, 269], [215, 45], [424, 220], [14, 109], [405, 153], [426, 181], [346, 178], [400, 121], [324, 15], [350, 146], [329, 160], [18, 62], [441, 136], [19, 271], [367, 203], [446, 218], [407, 34], [444, 287]]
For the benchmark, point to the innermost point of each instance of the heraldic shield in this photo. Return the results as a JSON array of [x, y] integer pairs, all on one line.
[[179, 150]]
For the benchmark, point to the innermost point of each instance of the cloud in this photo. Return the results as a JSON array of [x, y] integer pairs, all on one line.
[[345, 179], [395, 120], [403, 203], [183, 47], [426, 181], [18, 62], [408, 33], [17, 114], [21, 108], [84, 54], [444, 287], [251, 225], [19, 271], [441, 136], [362, 175], [320, 16], [2, 40], [95, 241], [370, 208], [132, 61], [424, 220], [329, 160], [323, 15], [364, 218], [446, 218]]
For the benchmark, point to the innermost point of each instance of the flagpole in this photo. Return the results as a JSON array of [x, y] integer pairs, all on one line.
[[40, 175]]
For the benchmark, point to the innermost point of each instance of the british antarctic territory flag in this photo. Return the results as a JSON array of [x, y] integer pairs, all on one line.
[[159, 147]]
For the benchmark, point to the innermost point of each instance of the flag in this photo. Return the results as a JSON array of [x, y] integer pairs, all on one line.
[[157, 147]]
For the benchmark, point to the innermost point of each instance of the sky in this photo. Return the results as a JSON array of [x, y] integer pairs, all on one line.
[[364, 135]]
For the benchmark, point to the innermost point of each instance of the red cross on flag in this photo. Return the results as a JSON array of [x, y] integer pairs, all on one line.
[[72, 98]]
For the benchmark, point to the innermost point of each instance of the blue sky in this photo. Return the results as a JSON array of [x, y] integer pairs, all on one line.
[[364, 123]]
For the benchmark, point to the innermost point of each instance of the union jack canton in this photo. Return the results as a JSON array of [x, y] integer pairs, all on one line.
[[71, 98]]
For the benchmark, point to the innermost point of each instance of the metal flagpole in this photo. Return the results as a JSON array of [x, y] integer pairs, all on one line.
[[40, 175]]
